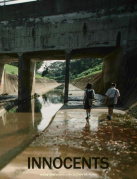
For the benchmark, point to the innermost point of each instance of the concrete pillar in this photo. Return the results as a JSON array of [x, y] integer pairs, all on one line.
[[67, 76], [26, 77], [2, 78]]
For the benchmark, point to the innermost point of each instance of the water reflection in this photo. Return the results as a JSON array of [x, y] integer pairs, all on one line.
[[3, 117], [51, 103], [21, 124]]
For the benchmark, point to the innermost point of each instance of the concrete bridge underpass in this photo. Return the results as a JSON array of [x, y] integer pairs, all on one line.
[[61, 29]]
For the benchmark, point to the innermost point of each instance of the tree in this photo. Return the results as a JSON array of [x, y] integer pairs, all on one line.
[[80, 66], [45, 72], [38, 65]]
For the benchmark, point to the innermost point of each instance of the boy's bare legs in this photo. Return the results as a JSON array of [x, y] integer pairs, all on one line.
[[110, 112], [88, 113]]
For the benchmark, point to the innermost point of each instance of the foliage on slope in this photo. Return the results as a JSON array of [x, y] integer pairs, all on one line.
[[78, 68]]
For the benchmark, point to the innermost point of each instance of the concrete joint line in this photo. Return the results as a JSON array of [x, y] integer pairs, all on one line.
[[20, 54], [68, 51]]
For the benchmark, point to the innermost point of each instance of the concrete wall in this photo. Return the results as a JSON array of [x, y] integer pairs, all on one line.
[[59, 25], [70, 31], [48, 29], [2, 78], [41, 85], [120, 70], [56, 7]]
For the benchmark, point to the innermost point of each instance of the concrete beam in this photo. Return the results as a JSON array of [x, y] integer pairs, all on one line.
[[9, 57], [76, 31], [96, 52], [26, 78], [56, 7]]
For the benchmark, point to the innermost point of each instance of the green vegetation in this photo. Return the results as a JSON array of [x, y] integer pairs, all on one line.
[[78, 69], [38, 65], [13, 110], [39, 76], [91, 71], [10, 69], [14, 64]]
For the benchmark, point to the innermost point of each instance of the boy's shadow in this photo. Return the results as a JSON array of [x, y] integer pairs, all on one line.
[[102, 118], [86, 129]]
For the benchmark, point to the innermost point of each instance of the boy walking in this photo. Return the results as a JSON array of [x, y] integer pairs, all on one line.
[[112, 96]]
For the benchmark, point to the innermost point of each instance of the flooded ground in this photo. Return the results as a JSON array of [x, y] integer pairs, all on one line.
[[79, 148], [17, 129]]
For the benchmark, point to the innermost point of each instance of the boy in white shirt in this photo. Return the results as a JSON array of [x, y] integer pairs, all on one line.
[[113, 93]]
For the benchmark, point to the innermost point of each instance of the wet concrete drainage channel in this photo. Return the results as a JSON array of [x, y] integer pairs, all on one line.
[[70, 135], [18, 129]]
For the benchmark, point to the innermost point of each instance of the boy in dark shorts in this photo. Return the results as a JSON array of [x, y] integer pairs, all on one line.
[[112, 92], [88, 93]]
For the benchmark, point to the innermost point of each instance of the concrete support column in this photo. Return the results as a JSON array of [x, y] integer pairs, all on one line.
[[2, 78], [26, 77], [67, 75]]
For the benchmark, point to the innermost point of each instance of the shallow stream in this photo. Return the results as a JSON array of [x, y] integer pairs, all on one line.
[[20, 125]]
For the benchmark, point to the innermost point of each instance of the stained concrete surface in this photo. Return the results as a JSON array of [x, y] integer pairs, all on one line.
[[7, 100], [71, 135], [41, 85]]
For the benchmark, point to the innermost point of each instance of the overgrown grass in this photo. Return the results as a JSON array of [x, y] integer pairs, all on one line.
[[93, 73], [10, 69], [90, 71], [39, 76]]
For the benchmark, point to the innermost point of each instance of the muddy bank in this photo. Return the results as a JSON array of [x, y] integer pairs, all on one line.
[[41, 85]]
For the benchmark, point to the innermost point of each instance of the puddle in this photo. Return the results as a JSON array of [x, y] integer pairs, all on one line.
[[17, 129], [71, 135]]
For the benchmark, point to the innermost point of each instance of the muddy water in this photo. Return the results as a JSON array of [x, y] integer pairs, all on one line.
[[71, 135], [17, 129]]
